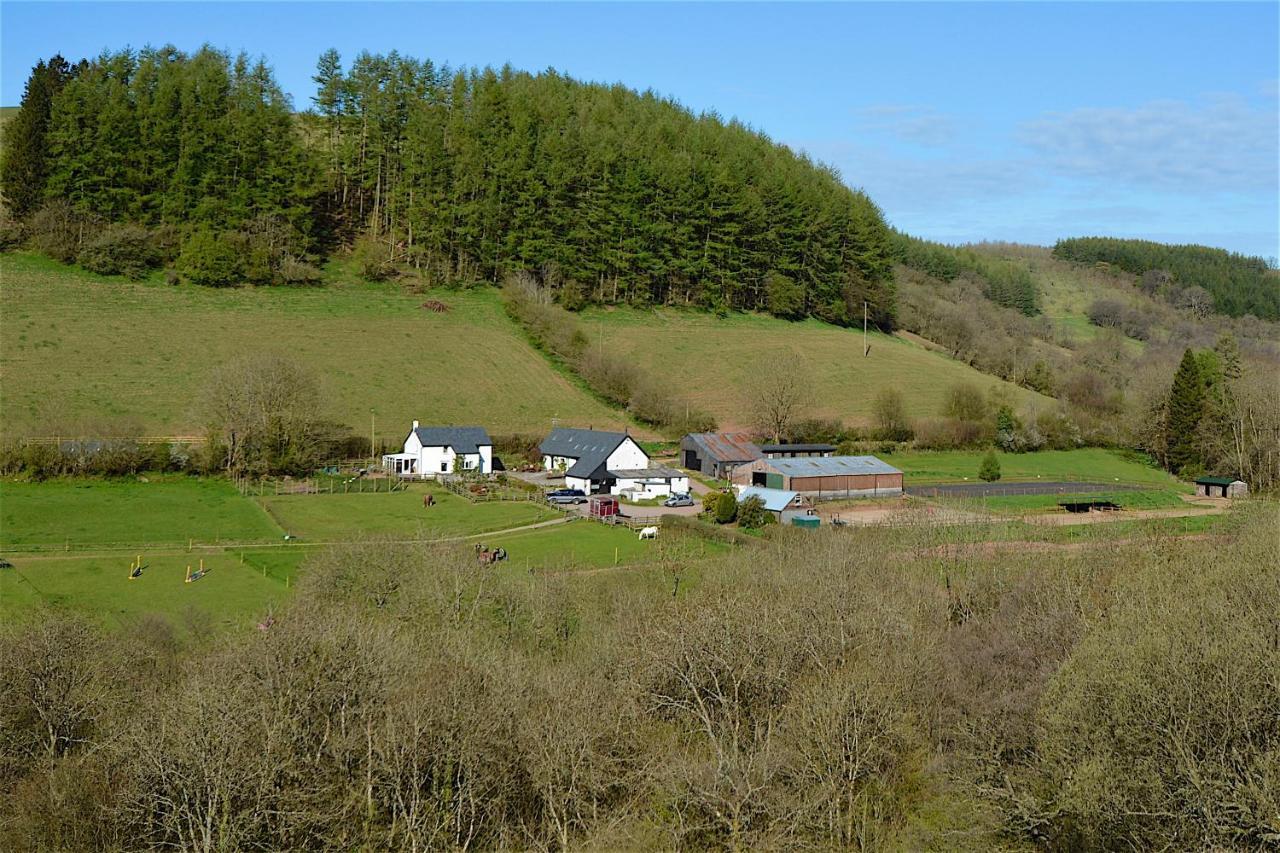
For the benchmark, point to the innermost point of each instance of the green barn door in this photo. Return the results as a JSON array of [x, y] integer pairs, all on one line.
[[773, 481]]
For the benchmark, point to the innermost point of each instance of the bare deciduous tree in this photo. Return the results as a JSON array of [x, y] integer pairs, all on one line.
[[779, 396]]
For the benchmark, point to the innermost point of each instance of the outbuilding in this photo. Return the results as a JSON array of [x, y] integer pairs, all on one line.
[[796, 451], [716, 454], [824, 478], [432, 451], [785, 505], [599, 462], [1221, 487]]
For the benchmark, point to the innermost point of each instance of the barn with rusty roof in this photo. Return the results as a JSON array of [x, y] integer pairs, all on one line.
[[716, 454]]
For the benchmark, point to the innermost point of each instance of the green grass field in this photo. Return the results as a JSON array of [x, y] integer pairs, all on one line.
[[1092, 465], [231, 594], [166, 510], [338, 517], [713, 362], [81, 352], [1017, 504]]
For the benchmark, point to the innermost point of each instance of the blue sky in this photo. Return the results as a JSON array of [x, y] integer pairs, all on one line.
[[1023, 122]]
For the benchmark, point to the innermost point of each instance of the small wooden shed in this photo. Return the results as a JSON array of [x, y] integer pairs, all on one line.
[[1221, 487]]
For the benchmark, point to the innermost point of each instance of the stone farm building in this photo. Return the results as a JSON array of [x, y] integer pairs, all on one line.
[[432, 451], [716, 454], [785, 505], [599, 462], [824, 477]]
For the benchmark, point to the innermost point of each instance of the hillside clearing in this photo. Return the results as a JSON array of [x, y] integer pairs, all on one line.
[[713, 361], [82, 353], [1094, 465]]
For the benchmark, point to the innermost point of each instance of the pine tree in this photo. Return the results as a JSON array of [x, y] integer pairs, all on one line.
[[1186, 409], [990, 470], [25, 167]]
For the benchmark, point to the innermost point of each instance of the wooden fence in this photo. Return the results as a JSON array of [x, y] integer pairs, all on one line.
[[318, 486]]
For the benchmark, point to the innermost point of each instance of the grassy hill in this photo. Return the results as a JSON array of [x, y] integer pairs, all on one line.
[[712, 361], [81, 352]]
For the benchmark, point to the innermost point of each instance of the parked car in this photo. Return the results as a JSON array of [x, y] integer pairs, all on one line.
[[678, 500], [567, 496]]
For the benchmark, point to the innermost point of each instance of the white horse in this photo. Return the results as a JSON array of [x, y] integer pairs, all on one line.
[[649, 533]]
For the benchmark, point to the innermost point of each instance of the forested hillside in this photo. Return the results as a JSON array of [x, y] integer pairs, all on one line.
[[461, 175], [1198, 277]]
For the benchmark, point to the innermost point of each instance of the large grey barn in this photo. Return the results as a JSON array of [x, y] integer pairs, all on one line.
[[824, 477]]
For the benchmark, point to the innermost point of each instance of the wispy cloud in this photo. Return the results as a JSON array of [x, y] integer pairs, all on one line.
[[921, 125], [1218, 144]]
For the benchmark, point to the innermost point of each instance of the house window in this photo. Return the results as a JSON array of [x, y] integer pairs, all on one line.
[[444, 467]]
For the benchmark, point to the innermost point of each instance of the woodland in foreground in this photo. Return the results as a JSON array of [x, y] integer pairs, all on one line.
[[916, 688]]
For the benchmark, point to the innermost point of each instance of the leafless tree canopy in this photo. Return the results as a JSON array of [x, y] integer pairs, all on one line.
[[778, 396], [263, 410], [926, 689]]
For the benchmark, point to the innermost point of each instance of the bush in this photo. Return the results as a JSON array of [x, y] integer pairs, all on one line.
[[726, 508], [752, 514], [125, 250], [785, 297], [209, 259], [965, 402], [990, 470], [891, 416], [374, 259], [12, 234], [55, 231], [295, 273]]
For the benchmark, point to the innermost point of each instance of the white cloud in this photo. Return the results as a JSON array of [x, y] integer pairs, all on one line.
[[1218, 144], [921, 125]]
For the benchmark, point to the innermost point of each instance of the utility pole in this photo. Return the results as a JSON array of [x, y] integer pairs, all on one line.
[[865, 348], [373, 454]]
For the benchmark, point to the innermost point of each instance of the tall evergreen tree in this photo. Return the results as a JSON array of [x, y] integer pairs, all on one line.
[[25, 167], [1186, 409]]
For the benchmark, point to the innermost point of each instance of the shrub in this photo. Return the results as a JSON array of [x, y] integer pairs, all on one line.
[[210, 259], [966, 402], [12, 234], [374, 259], [785, 297], [55, 230], [120, 250], [295, 273], [891, 416], [752, 514], [990, 470], [726, 508]]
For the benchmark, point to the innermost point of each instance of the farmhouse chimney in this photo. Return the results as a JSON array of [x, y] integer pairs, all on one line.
[[415, 424]]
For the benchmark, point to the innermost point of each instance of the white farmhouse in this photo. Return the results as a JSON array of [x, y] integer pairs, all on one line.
[[607, 462], [432, 451]]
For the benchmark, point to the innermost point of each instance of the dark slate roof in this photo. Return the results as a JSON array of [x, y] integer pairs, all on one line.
[[590, 447], [831, 466], [798, 448], [726, 446], [1215, 481], [465, 439]]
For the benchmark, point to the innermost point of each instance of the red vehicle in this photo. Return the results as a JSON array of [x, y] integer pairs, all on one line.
[[603, 507]]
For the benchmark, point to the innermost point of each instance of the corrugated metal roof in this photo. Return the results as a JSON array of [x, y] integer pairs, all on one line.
[[775, 500], [831, 466], [657, 472], [798, 448], [589, 446], [727, 446], [463, 439]]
